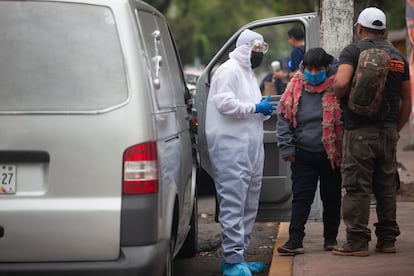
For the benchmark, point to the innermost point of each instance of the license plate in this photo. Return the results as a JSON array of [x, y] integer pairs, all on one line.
[[7, 179]]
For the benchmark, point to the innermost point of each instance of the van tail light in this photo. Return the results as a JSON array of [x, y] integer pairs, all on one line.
[[141, 169], [195, 120]]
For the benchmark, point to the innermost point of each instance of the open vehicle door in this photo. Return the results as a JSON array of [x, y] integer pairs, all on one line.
[[275, 200]]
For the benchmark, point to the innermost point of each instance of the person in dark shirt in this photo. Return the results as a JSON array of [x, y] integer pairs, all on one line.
[[369, 144], [268, 85], [296, 40]]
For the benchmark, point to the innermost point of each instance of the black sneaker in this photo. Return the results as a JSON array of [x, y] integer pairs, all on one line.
[[291, 248], [329, 244]]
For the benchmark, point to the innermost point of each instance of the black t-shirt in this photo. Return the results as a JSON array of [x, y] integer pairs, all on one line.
[[398, 72], [296, 57]]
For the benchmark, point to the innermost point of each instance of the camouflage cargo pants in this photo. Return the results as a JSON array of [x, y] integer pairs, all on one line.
[[369, 166]]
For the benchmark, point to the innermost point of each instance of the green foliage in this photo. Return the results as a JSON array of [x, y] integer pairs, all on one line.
[[201, 27], [395, 11], [214, 21], [283, 7], [161, 5]]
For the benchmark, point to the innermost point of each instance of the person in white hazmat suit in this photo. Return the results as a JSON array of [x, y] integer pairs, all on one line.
[[234, 131]]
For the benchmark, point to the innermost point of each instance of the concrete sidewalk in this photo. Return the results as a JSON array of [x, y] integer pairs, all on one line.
[[318, 262]]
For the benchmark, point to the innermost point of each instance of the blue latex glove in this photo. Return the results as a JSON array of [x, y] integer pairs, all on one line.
[[265, 107]]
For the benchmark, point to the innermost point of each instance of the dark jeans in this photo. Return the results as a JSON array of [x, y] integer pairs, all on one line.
[[369, 166], [306, 171]]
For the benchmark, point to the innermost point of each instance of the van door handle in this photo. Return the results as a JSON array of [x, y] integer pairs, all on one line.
[[157, 59]]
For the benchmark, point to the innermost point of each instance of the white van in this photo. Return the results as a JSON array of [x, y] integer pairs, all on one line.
[[275, 199], [96, 158]]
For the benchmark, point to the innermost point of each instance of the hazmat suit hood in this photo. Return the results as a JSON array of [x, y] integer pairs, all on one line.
[[244, 45]]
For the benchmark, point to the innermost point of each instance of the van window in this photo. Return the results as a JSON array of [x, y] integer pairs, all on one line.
[[173, 64], [59, 57]]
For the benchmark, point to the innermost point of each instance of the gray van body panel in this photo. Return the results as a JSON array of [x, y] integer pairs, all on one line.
[[132, 261]]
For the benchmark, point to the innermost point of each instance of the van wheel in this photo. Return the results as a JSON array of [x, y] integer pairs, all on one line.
[[190, 245]]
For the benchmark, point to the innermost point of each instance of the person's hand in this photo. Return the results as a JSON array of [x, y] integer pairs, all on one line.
[[338, 100], [279, 75], [265, 107], [290, 158]]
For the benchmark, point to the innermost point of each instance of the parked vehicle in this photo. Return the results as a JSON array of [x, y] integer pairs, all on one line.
[[275, 200], [191, 76], [98, 169]]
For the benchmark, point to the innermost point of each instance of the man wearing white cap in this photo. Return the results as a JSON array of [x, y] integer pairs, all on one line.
[[234, 131], [369, 143]]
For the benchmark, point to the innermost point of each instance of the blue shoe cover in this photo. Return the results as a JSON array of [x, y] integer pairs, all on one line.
[[237, 269], [256, 267]]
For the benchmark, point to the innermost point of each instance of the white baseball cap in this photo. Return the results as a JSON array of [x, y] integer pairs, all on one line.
[[372, 18]]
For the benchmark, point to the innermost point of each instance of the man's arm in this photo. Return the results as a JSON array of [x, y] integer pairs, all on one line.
[[343, 80], [280, 74], [405, 108]]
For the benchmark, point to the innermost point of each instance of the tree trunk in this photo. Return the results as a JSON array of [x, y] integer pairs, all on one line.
[[336, 24]]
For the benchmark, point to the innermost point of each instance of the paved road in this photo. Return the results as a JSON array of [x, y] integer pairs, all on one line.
[[315, 261], [207, 261]]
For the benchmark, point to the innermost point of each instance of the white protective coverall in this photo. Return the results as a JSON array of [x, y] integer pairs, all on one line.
[[235, 142]]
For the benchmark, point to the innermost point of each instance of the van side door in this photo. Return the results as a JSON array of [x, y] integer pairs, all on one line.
[[171, 117]]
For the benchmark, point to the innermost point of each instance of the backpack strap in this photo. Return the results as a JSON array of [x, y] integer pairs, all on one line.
[[370, 43]]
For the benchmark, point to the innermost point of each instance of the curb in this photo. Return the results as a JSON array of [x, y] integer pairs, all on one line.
[[281, 265]]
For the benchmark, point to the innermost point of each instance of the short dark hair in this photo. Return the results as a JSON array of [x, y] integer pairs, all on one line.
[[296, 33], [316, 57], [373, 31]]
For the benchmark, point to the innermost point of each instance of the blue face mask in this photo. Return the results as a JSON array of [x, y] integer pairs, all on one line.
[[315, 79]]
